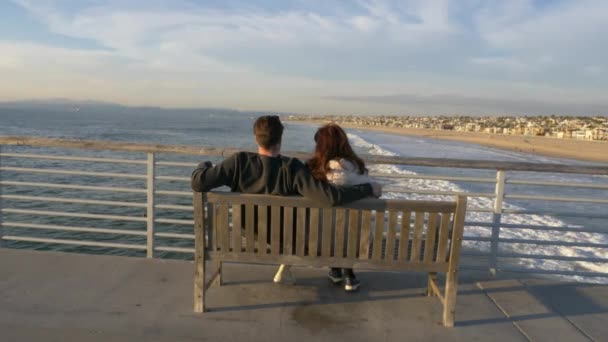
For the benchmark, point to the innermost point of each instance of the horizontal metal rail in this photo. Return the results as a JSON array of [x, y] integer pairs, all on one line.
[[175, 221], [73, 242], [173, 178], [557, 198], [175, 249], [551, 257], [67, 158], [70, 172], [68, 214], [476, 238], [175, 235], [178, 164], [554, 213], [174, 207], [554, 243], [436, 177], [554, 228], [558, 184], [434, 192], [478, 223], [73, 187], [72, 228], [73, 200]]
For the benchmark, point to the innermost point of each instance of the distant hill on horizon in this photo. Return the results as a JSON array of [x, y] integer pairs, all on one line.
[[92, 107]]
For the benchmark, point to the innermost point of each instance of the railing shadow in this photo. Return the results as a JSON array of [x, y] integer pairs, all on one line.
[[558, 299]]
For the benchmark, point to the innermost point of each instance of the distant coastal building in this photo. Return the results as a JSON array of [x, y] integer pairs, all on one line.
[[565, 127], [595, 134]]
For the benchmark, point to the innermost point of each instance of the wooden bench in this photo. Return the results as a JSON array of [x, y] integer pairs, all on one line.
[[367, 234]]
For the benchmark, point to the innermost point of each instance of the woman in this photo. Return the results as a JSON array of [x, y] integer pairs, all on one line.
[[335, 161]]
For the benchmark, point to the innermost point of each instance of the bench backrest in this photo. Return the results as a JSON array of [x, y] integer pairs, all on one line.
[[260, 228]]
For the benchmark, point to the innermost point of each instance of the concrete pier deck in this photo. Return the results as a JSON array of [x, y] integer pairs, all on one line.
[[51, 296]]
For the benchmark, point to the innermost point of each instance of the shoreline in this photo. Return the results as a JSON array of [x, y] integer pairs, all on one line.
[[581, 150]]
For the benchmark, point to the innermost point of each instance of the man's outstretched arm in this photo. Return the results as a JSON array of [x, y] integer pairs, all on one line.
[[207, 177]]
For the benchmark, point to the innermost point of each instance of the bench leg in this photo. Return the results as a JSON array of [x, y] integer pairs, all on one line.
[[431, 278], [449, 307], [217, 266], [199, 283]]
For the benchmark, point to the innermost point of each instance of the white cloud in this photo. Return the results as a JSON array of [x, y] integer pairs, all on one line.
[[566, 33], [364, 23]]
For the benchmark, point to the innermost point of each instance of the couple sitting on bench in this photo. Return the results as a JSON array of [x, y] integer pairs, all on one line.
[[334, 175]]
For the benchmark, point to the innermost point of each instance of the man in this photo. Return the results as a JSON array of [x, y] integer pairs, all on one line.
[[267, 172]]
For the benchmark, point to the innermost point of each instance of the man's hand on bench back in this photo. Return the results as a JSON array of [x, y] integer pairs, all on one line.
[[377, 189]]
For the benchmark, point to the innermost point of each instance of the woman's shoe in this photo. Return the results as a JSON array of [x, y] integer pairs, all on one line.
[[351, 284], [335, 276]]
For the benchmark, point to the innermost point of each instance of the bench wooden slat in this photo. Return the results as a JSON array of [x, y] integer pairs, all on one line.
[[223, 229], [366, 203], [262, 229], [237, 227], [431, 234], [378, 235], [275, 235], [353, 233], [366, 224], [313, 236], [301, 231], [391, 236], [249, 228], [326, 262], [327, 233], [339, 242], [444, 230], [287, 230], [417, 242], [404, 235]]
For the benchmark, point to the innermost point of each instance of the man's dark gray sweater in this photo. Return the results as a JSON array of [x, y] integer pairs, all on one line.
[[253, 173]]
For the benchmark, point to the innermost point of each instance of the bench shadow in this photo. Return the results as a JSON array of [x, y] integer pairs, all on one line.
[[394, 285], [559, 298]]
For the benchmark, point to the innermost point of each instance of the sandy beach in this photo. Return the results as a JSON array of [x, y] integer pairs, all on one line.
[[584, 150]]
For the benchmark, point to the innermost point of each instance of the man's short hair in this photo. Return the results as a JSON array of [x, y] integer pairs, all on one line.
[[268, 131]]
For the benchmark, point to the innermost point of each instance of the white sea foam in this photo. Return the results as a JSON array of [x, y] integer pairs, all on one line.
[[484, 231]]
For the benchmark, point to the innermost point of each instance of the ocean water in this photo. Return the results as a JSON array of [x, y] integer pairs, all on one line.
[[233, 129]]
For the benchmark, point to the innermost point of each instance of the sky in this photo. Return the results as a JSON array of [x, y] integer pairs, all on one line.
[[405, 57]]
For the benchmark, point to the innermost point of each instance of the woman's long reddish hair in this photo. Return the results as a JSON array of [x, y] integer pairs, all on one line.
[[332, 143]]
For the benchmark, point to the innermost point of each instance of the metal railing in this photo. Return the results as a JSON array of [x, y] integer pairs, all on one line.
[[143, 235]]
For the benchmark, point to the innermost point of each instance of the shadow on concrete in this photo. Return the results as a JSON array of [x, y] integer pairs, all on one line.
[[570, 299]]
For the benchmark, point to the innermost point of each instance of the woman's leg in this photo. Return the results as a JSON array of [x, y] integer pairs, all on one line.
[[284, 275]]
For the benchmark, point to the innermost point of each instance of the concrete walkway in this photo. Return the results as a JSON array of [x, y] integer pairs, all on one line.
[[73, 297]]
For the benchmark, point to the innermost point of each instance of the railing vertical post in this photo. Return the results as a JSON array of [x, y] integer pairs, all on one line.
[[499, 194], [1, 226], [150, 205]]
